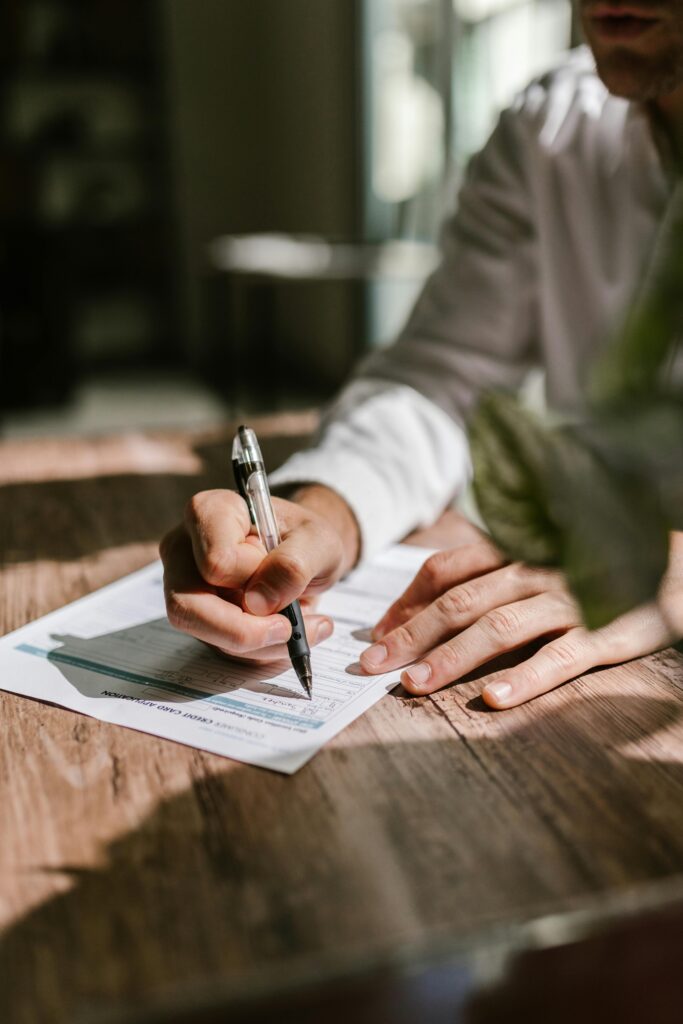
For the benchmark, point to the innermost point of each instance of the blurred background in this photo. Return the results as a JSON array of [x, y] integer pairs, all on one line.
[[215, 207]]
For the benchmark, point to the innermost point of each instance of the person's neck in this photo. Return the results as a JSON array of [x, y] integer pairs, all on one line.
[[670, 110]]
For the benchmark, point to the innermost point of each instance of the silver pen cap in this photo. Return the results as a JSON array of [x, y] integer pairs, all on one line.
[[245, 447]]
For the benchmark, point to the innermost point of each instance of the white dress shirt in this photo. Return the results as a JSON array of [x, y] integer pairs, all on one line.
[[554, 226]]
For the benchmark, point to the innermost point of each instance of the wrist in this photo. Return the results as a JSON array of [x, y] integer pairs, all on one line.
[[332, 507]]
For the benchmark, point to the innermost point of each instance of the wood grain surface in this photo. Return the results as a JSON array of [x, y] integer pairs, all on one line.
[[132, 868]]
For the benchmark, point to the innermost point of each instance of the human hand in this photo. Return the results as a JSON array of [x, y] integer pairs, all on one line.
[[465, 607], [222, 587]]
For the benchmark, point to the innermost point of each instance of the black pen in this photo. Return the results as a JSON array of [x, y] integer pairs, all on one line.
[[252, 483]]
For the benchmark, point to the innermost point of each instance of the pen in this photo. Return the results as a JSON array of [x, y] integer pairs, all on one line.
[[252, 483]]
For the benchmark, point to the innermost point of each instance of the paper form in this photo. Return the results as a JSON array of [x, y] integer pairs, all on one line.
[[114, 656]]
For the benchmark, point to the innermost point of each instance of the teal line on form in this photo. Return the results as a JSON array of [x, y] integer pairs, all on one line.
[[182, 691]]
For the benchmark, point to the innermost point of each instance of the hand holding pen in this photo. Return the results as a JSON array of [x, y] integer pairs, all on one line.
[[221, 588]]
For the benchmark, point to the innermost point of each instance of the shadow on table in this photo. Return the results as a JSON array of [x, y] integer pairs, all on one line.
[[248, 878], [68, 519]]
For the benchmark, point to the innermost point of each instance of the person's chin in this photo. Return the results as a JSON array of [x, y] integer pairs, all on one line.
[[623, 79], [630, 73]]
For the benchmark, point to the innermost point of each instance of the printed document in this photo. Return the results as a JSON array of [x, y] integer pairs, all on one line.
[[114, 656]]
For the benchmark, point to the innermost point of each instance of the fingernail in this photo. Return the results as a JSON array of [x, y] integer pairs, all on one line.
[[378, 632], [374, 656], [278, 633], [325, 629], [260, 600], [500, 692], [419, 674]]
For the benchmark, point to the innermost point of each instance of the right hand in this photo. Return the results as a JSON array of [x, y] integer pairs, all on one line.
[[222, 587]]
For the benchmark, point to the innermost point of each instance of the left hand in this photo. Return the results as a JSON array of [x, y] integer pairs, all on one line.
[[465, 607]]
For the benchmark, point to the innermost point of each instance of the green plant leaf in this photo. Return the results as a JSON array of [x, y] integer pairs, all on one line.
[[549, 499]]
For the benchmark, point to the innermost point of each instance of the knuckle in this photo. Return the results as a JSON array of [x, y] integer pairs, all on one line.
[[608, 642], [195, 507], [530, 678], [433, 570], [214, 566], [564, 654], [292, 569], [237, 643], [399, 608], [538, 577], [520, 572], [566, 604], [524, 577], [457, 602], [220, 500], [552, 579], [501, 622], [446, 663], [401, 639], [178, 611]]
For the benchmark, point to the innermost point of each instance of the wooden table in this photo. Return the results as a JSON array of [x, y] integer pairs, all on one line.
[[135, 869]]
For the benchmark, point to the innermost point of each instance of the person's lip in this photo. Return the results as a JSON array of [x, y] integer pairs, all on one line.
[[622, 11], [613, 21]]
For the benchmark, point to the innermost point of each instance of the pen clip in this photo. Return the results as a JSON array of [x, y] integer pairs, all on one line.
[[238, 470], [252, 483]]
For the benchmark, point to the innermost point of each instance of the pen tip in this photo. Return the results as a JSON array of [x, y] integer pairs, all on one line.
[[302, 667], [307, 684]]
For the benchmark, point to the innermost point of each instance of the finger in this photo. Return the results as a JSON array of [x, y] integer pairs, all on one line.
[[219, 529], [195, 607], [639, 632], [440, 572], [503, 629], [308, 602], [302, 561], [455, 610], [318, 628]]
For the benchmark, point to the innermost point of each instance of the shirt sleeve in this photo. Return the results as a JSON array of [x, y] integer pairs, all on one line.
[[394, 444]]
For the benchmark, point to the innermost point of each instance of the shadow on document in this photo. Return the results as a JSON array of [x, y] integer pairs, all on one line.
[[155, 662]]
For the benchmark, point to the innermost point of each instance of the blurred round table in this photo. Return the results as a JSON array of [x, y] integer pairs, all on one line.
[[248, 270]]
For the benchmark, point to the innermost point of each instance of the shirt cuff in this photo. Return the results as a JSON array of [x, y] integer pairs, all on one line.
[[396, 460]]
